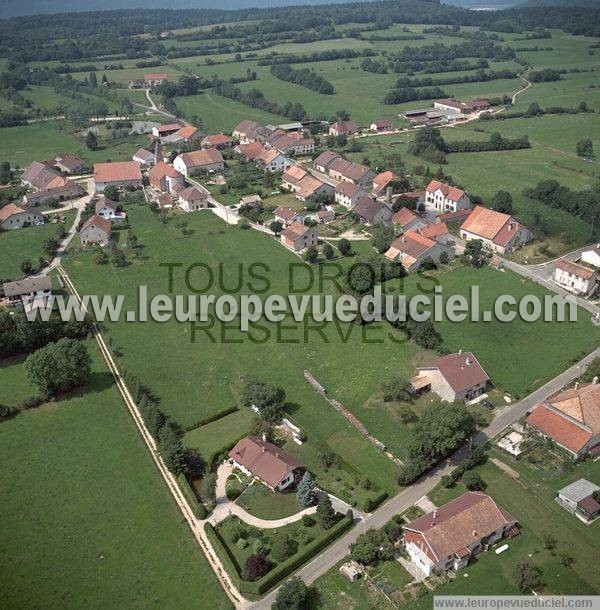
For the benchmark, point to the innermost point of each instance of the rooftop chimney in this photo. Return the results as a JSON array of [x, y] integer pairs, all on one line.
[[474, 533], [576, 384], [595, 380], [460, 351], [468, 361], [264, 437]]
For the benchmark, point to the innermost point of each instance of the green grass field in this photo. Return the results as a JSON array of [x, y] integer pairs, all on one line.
[[201, 379], [39, 141], [22, 244], [86, 519]]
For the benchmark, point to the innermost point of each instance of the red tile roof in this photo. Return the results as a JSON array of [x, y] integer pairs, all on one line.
[[98, 222], [217, 138], [295, 230], [120, 171], [461, 370], [452, 527], [191, 193], [435, 230], [286, 213], [564, 432], [403, 217], [160, 170], [264, 460], [198, 158], [187, 131], [453, 193], [489, 224], [9, 210], [251, 151], [574, 269]]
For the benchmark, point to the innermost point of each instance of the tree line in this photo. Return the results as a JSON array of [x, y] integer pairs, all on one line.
[[479, 76], [303, 77]]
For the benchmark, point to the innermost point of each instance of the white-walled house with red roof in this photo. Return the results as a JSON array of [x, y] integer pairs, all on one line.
[[498, 232], [453, 377], [441, 197], [448, 537]]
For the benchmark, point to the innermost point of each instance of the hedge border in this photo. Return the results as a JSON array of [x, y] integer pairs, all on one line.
[[279, 572], [211, 418]]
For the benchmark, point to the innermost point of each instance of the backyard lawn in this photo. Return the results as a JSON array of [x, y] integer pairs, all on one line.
[[86, 519], [261, 502]]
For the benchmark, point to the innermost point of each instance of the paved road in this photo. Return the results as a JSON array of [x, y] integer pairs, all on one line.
[[405, 499], [79, 205]]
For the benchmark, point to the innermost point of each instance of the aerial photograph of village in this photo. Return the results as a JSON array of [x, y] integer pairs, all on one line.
[[299, 304]]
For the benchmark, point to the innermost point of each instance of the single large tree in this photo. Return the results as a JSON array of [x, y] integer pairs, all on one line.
[[292, 595], [585, 148], [527, 576], [256, 566], [91, 141], [474, 254], [307, 491], [59, 367], [326, 514], [267, 397]]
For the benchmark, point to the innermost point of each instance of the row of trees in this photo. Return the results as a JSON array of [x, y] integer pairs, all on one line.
[[303, 77], [410, 94], [479, 76]]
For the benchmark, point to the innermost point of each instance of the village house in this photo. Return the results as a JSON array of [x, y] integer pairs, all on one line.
[[325, 216], [453, 377], [42, 177], [343, 128], [453, 217], [251, 201], [165, 178], [571, 419], [416, 199], [323, 162], [371, 211], [95, 230], [291, 177], [161, 131], [592, 256], [27, 290], [381, 182], [448, 537], [109, 210], [407, 220], [347, 171], [267, 462], [250, 151], [438, 231], [250, 131], [582, 499], [187, 133], [120, 174], [144, 157], [286, 216], [14, 217], [348, 194], [499, 232], [310, 187], [298, 237], [199, 161], [217, 140], [411, 249], [576, 278], [69, 190], [192, 199], [154, 79], [68, 164], [290, 145], [381, 125], [440, 197], [271, 160]]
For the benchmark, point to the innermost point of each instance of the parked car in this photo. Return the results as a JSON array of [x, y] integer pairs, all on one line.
[[486, 404]]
